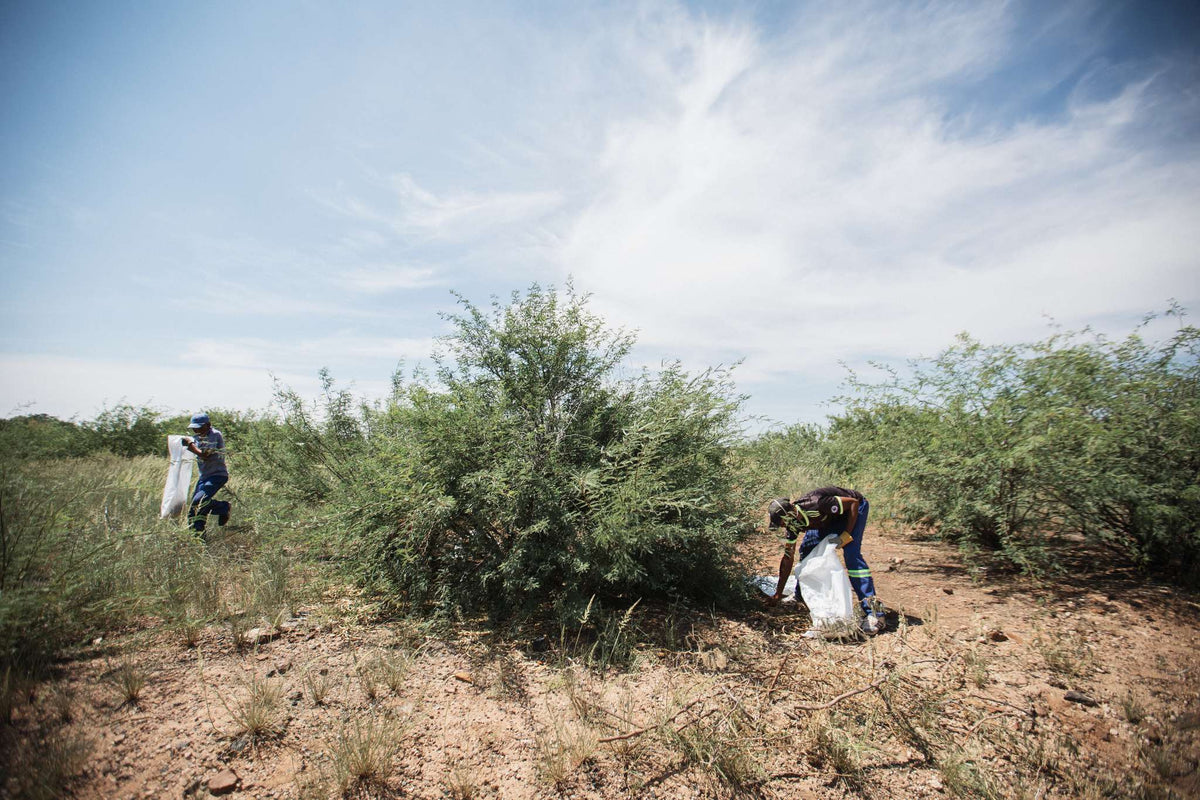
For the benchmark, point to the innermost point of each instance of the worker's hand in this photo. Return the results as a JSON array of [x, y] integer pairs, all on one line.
[[772, 600], [186, 441]]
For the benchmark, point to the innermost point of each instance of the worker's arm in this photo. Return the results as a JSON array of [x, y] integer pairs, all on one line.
[[785, 569], [850, 506], [191, 445]]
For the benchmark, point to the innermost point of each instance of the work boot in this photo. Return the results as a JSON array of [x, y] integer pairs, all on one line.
[[873, 624], [222, 519]]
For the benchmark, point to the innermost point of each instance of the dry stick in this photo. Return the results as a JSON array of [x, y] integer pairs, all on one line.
[[984, 719], [691, 722], [775, 680], [640, 731], [1024, 711], [738, 703], [875, 684]]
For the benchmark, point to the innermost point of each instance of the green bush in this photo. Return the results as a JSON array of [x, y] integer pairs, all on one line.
[[528, 474], [43, 436], [126, 430], [1002, 448]]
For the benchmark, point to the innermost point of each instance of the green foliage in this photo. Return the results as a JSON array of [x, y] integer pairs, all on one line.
[[529, 474], [312, 451], [123, 430], [43, 436], [1001, 448], [126, 430], [82, 550]]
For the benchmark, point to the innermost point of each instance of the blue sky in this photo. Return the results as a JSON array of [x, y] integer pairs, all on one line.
[[197, 196]]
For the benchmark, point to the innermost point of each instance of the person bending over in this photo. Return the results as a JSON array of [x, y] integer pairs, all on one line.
[[830, 510]]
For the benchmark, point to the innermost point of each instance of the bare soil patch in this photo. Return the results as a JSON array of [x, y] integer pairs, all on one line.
[[1001, 689]]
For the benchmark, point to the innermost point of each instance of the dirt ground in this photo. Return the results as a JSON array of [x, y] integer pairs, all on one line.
[[990, 688]]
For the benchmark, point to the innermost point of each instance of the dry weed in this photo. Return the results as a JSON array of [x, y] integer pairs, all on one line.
[[48, 765], [1065, 653], [257, 713], [461, 782], [61, 700], [317, 685], [563, 748], [719, 740], [1132, 709], [129, 681], [976, 663], [363, 754]]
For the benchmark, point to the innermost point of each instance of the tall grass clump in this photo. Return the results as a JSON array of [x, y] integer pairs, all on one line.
[[82, 550], [530, 472]]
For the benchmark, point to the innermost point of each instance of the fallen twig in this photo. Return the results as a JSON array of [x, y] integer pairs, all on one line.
[[1027, 712], [875, 684], [775, 680], [649, 728], [984, 719]]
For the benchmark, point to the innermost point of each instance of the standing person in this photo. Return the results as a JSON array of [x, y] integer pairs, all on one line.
[[209, 447], [820, 513]]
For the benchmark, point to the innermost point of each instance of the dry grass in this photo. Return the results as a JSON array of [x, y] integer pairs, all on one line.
[[317, 685], [48, 763], [129, 681], [363, 754], [562, 747], [257, 710], [462, 782], [1065, 653]]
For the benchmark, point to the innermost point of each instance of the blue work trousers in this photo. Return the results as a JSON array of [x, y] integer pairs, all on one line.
[[856, 565], [203, 503]]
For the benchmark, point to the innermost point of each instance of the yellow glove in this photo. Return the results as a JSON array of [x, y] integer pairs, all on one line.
[[845, 539]]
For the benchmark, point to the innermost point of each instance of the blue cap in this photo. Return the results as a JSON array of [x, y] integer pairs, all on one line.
[[198, 421]]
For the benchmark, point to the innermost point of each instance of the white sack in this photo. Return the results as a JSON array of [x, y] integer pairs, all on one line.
[[179, 477], [825, 587], [767, 583]]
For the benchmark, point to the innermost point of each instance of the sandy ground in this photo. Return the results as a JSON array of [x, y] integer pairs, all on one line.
[[479, 715]]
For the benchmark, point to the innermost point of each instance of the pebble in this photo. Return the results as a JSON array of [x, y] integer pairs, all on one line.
[[223, 782], [1081, 698]]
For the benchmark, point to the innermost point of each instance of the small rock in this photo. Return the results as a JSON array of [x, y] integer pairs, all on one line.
[[260, 635], [223, 782], [1081, 698], [935, 782], [947, 590], [465, 677], [1057, 682], [998, 636], [96, 642], [296, 696]]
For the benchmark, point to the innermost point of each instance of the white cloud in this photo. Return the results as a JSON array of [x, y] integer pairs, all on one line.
[[813, 199], [304, 356], [66, 387], [389, 279], [411, 210]]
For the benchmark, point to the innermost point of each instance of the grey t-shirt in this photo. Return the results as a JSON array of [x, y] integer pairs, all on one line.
[[214, 465]]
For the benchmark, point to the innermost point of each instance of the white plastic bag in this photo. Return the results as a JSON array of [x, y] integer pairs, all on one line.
[[179, 477], [825, 587], [768, 583]]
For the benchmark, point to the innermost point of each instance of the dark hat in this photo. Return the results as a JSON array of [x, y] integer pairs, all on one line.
[[776, 509]]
